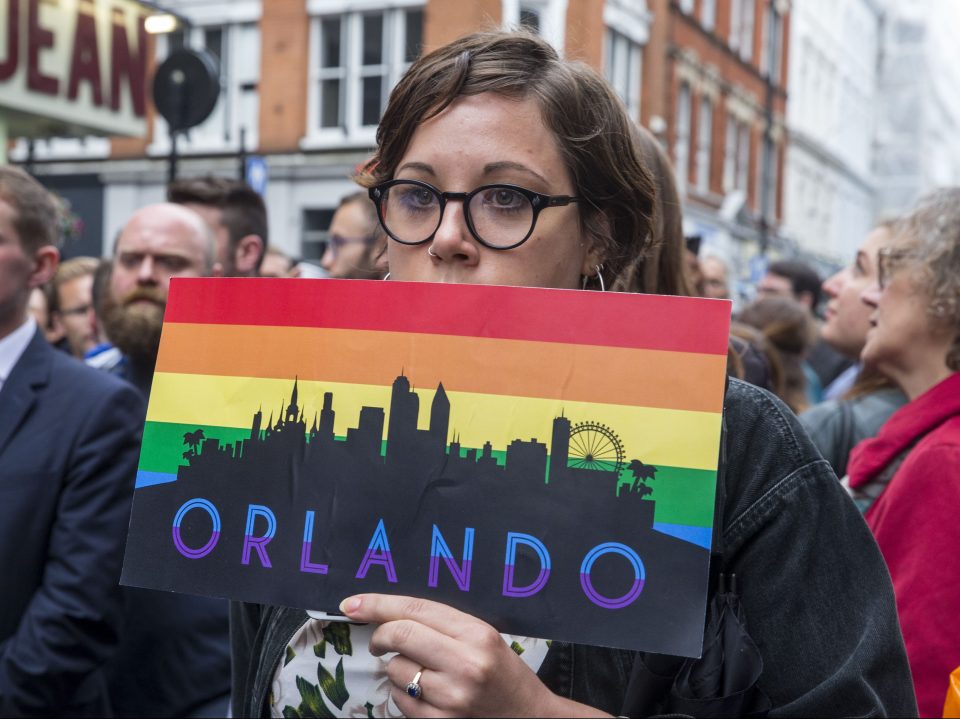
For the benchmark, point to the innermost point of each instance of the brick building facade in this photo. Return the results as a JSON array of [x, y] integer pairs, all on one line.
[[717, 97], [304, 82]]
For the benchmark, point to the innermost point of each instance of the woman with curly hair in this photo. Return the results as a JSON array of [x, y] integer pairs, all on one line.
[[907, 478]]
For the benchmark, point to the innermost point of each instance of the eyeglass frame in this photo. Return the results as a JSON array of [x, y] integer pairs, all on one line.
[[338, 242], [79, 310], [886, 255], [538, 201]]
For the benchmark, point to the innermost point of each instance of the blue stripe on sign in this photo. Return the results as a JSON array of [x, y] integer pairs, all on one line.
[[700, 536], [148, 479]]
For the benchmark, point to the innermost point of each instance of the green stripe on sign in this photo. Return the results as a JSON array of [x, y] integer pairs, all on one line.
[[683, 496], [163, 446]]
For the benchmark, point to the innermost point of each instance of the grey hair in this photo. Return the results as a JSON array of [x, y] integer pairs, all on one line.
[[932, 232]]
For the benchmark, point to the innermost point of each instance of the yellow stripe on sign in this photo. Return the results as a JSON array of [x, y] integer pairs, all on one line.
[[676, 438]]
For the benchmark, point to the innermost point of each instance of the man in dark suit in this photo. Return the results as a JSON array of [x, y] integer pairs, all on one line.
[[174, 657], [69, 439]]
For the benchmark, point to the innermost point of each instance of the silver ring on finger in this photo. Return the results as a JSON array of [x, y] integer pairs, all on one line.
[[413, 688]]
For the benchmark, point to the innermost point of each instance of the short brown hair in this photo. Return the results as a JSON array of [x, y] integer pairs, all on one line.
[[663, 263], [243, 210], [36, 213], [69, 270], [585, 116]]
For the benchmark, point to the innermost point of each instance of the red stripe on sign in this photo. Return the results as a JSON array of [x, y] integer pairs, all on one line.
[[611, 319]]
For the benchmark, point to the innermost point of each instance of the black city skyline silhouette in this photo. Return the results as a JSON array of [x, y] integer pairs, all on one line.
[[407, 446], [421, 481]]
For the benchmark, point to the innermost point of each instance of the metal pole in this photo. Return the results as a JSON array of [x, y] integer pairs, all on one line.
[[30, 156], [173, 157], [242, 156]]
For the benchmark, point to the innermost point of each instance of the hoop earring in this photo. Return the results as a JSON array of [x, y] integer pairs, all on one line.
[[386, 276], [599, 276]]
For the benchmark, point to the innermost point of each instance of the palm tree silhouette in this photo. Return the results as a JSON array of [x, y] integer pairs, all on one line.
[[641, 473], [193, 440]]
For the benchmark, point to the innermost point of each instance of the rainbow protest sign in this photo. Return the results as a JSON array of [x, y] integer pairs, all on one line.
[[543, 459]]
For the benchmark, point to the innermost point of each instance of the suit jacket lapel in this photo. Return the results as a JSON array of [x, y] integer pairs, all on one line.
[[19, 393]]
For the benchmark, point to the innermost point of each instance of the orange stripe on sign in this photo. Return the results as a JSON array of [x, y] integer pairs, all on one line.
[[549, 370]]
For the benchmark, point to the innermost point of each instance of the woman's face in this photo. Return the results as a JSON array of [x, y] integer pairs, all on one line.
[[481, 140], [847, 317], [903, 337]]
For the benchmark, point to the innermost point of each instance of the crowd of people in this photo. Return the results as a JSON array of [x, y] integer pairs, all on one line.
[[524, 170]]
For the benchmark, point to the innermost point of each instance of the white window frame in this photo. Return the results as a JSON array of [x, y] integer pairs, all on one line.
[[623, 69], [736, 20], [731, 138], [708, 14], [743, 158], [742, 16], [351, 133], [225, 135], [747, 29], [704, 143], [553, 19]]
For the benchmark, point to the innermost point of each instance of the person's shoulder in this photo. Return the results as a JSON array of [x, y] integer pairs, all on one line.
[[86, 387], [939, 451], [882, 399], [768, 456], [820, 415], [757, 415]]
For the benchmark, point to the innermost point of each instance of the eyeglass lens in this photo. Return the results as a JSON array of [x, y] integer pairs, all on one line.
[[500, 216]]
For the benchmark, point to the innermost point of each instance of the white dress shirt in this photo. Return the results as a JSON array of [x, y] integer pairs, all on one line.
[[13, 346]]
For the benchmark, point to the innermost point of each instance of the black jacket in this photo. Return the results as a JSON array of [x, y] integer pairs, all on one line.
[[815, 590], [69, 442]]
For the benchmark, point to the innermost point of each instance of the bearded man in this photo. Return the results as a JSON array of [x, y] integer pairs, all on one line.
[[158, 243], [173, 658]]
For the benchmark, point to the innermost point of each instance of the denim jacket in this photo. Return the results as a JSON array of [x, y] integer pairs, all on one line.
[[816, 593]]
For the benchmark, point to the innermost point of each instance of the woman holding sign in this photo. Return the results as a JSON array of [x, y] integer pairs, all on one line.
[[499, 163]]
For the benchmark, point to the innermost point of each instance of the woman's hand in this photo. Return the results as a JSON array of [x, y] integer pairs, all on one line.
[[466, 667]]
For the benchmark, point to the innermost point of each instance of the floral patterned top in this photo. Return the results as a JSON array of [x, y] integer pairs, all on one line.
[[328, 671]]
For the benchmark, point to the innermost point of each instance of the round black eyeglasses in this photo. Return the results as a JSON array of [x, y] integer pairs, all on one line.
[[500, 217]]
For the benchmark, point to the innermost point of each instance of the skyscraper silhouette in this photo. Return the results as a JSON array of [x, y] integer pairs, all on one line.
[[440, 417], [559, 449], [404, 411]]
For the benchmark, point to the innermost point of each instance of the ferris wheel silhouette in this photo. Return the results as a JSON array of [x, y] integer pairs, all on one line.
[[595, 447]]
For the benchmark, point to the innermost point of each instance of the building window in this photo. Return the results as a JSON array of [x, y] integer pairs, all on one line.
[[772, 27], [736, 158], [530, 17], [682, 149], [357, 58], [621, 67], [730, 154], [743, 157], [704, 144], [708, 14], [547, 18], [741, 27]]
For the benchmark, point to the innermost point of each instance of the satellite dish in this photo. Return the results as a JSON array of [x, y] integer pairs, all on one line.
[[186, 87]]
